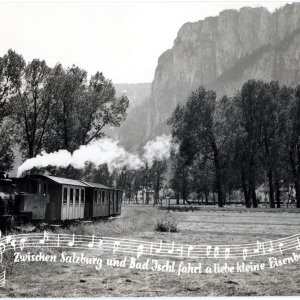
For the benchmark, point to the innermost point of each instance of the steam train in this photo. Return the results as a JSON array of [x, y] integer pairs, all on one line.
[[49, 199]]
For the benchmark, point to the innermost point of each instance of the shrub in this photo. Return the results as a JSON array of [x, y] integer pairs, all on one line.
[[166, 224]]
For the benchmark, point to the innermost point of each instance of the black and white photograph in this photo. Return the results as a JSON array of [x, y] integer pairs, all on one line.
[[149, 148]]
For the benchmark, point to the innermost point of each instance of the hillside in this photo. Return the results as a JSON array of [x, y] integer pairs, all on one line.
[[132, 131]]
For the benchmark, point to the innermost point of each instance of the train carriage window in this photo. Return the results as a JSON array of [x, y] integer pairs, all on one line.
[[103, 197], [113, 200], [65, 197], [77, 196], [44, 188], [95, 197], [117, 200], [32, 187], [100, 197], [71, 196], [82, 197]]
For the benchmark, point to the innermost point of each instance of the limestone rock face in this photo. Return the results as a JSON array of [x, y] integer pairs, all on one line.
[[222, 53]]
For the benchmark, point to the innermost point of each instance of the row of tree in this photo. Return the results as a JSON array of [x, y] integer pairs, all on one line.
[[150, 179], [221, 146], [43, 108], [238, 143]]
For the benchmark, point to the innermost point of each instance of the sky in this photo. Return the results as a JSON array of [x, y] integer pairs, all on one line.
[[122, 39]]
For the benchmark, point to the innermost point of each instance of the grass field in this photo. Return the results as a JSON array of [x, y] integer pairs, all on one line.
[[209, 225]]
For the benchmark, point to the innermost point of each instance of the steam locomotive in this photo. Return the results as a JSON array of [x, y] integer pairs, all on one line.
[[49, 199]]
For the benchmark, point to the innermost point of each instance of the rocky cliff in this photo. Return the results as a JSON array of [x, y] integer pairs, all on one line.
[[222, 53]]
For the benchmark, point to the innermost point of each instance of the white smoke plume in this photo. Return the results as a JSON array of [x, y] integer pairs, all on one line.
[[101, 152], [98, 152], [157, 149]]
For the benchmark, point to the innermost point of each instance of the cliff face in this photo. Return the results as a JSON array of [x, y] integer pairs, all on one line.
[[222, 53]]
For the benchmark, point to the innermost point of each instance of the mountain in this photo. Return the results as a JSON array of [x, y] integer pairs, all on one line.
[[222, 53], [132, 130]]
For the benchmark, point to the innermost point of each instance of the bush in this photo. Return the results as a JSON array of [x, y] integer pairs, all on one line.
[[166, 224]]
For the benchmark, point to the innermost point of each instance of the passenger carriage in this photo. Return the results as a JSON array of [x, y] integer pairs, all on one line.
[[102, 200], [50, 198], [67, 199], [55, 199]]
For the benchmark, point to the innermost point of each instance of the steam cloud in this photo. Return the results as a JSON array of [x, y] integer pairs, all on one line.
[[101, 152], [157, 149]]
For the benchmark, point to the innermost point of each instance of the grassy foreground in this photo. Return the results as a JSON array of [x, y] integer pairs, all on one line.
[[206, 226]]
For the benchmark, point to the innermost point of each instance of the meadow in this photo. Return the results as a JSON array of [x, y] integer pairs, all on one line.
[[204, 225]]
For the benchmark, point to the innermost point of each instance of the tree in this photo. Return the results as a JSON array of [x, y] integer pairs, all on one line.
[[81, 111], [273, 132], [250, 109], [202, 178], [125, 181], [179, 176], [200, 128], [6, 153], [65, 87], [11, 68], [137, 183], [158, 169], [31, 108], [261, 111], [103, 109], [292, 135], [102, 175], [140, 181]]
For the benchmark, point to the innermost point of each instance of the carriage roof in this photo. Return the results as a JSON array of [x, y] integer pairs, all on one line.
[[99, 186], [60, 180], [67, 181]]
